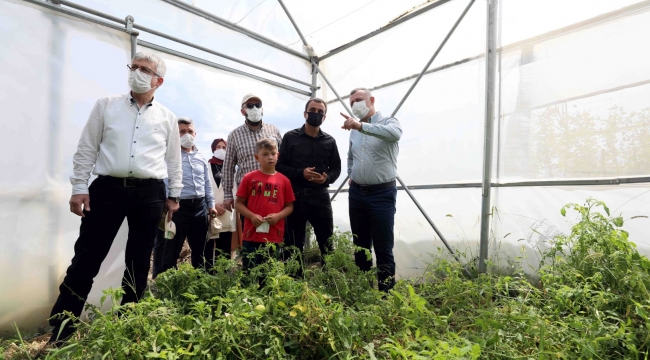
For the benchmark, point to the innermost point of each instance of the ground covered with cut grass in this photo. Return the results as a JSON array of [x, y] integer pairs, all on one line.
[[592, 301]]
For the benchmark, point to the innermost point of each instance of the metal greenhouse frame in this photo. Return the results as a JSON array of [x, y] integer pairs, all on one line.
[[492, 51]]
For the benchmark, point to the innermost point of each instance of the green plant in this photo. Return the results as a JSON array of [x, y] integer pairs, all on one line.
[[592, 303]]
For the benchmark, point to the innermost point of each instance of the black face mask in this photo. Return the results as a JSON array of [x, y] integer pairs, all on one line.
[[314, 118]]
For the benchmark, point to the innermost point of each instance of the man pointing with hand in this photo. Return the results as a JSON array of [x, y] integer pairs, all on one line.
[[372, 165]]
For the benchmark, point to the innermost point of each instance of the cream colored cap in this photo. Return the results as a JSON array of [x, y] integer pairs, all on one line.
[[248, 97]]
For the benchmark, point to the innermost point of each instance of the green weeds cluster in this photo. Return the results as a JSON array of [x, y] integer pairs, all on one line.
[[591, 303]]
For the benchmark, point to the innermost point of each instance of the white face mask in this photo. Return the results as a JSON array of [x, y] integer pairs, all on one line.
[[254, 115], [187, 141], [138, 82], [220, 154], [359, 109]]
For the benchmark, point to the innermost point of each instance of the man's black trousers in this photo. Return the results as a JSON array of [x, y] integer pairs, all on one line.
[[110, 203], [191, 221], [317, 209]]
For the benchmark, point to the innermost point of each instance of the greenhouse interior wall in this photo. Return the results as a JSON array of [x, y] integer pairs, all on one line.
[[572, 117]]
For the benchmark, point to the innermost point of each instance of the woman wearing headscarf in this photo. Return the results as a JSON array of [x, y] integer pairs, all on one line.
[[228, 233]]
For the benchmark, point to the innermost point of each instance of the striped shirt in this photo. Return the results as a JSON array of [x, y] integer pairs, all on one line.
[[241, 152]]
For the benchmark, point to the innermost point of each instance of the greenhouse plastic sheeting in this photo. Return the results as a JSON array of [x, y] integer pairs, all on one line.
[[54, 68], [62, 75], [326, 24], [405, 49], [441, 121], [169, 19], [456, 212], [573, 86], [524, 218], [560, 120]]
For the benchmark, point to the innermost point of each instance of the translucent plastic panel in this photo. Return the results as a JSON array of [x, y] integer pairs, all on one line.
[[263, 17], [525, 218], [577, 105], [212, 98], [456, 213], [405, 49], [52, 70], [326, 24], [442, 123], [524, 19], [169, 19]]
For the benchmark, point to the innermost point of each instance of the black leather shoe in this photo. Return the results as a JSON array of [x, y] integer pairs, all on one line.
[[65, 334]]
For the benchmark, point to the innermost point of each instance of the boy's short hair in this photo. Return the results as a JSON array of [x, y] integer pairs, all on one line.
[[266, 143]]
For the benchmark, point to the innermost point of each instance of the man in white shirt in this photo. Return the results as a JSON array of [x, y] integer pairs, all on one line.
[[131, 142]]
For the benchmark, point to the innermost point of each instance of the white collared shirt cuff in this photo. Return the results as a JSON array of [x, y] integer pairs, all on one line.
[[175, 192], [79, 189]]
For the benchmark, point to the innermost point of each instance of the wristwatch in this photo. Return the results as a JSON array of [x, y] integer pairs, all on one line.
[[177, 198]]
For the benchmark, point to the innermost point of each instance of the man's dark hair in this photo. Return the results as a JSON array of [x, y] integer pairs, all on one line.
[[318, 100]]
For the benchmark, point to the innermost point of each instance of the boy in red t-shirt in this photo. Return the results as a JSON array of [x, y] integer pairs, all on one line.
[[264, 198]]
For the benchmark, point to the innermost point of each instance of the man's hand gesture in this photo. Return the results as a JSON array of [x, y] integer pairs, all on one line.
[[76, 201], [350, 123]]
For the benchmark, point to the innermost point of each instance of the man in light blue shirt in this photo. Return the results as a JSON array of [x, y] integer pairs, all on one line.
[[372, 166], [196, 204]]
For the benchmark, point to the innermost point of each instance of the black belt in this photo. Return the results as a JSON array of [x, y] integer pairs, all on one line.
[[193, 200], [129, 181], [374, 186], [310, 191]]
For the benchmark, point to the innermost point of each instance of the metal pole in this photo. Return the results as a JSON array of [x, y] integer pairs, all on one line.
[[134, 34], [408, 191], [314, 81], [220, 67], [453, 28], [490, 76], [347, 108], [180, 41], [74, 14], [286, 11], [422, 10], [435, 228], [340, 187], [225, 23], [134, 44]]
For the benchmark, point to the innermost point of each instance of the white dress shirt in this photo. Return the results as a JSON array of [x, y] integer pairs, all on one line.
[[122, 140]]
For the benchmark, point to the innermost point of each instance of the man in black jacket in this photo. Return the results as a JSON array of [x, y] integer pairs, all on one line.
[[310, 159]]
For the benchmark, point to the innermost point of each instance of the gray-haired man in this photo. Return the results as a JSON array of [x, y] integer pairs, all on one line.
[[131, 143], [372, 167]]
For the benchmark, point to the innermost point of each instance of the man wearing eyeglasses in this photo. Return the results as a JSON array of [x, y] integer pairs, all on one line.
[[131, 142], [310, 158], [241, 145], [372, 167]]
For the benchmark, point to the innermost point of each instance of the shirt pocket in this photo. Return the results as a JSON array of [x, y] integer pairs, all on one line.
[[246, 154], [156, 127]]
